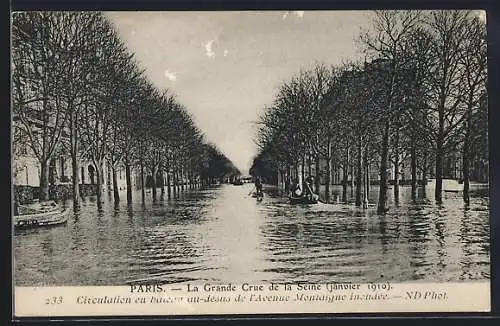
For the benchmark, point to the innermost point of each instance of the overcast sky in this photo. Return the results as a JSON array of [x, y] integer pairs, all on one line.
[[225, 67]]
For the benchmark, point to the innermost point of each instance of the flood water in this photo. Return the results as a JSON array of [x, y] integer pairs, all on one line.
[[223, 234]]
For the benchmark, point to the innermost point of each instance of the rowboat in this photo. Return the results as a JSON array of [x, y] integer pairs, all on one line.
[[258, 195], [302, 200], [41, 219]]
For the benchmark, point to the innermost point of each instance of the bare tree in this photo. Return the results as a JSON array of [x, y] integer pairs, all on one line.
[[35, 74], [75, 48], [448, 29], [386, 40], [109, 71], [472, 58]]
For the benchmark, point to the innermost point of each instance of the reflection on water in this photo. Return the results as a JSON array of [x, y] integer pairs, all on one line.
[[222, 234]]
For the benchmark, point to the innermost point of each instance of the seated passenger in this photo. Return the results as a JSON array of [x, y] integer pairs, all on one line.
[[296, 189]]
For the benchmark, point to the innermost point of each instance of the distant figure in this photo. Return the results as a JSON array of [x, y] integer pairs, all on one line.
[[258, 185]]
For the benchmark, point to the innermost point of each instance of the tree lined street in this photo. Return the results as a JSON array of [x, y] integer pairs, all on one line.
[[78, 90], [414, 98]]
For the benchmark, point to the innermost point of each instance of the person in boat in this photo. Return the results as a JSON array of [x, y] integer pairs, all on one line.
[[308, 186], [295, 189], [258, 186]]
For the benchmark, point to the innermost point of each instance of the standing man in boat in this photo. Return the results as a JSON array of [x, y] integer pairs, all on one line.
[[308, 184], [258, 185]]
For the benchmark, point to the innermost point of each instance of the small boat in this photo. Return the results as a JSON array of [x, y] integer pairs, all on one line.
[[41, 219], [302, 200], [238, 183], [258, 195]]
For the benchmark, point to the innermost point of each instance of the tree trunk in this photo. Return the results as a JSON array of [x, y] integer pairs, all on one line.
[[327, 176], [424, 170], [74, 162], [162, 184], [466, 161], [424, 175], [413, 158], [143, 184], [366, 180], [466, 177], [396, 167], [384, 157], [44, 180], [382, 198], [302, 170], [178, 181], [396, 181], [52, 173], [317, 179], [359, 174], [174, 182], [345, 176], [169, 189], [328, 171], [184, 179], [154, 170], [129, 183], [178, 178], [352, 181], [116, 193], [280, 179], [109, 178], [100, 191], [438, 193], [75, 181], [309, 165]]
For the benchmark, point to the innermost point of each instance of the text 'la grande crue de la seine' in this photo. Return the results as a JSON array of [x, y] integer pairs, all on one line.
[[262, 293]]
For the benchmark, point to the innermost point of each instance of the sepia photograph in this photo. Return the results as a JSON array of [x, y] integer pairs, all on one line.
[[207, 148]]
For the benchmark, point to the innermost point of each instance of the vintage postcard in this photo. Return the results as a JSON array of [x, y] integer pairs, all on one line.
[[249, 162]]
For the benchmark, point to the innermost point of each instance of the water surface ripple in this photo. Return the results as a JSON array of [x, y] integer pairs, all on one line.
[[222, 234]]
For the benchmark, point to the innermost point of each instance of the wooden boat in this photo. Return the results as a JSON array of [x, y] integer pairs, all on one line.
[[302, 200], [41, 219], [238, 183], [257, 195]]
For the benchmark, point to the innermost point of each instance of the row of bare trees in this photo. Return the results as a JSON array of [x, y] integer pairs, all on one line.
[[77, 89], [421, 98]]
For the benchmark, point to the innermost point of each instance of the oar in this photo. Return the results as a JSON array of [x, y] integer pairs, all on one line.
[[251, 191], [326, 203]]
